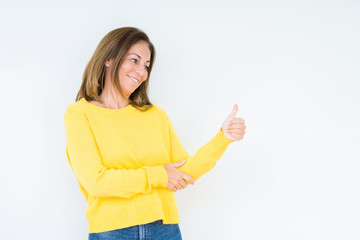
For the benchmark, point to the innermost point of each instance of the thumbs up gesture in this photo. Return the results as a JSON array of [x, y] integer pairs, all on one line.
[[234, 128]]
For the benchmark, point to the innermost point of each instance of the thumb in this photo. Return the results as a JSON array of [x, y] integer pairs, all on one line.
[[179, 164], [234, 111]]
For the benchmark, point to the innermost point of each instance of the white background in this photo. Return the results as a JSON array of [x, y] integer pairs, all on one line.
[[291, 66]]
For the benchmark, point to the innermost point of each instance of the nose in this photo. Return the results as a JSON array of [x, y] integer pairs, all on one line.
[[141, 72]]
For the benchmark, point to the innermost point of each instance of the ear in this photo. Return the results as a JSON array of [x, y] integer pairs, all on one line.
[[109, 62]]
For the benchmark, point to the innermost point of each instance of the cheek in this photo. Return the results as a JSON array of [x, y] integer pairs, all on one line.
[[123, 71], [125, 68]]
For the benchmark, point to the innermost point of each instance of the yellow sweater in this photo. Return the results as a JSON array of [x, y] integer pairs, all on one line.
[[117, 156]]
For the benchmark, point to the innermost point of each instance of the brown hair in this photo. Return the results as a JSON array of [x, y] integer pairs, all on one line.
[[115, 45]]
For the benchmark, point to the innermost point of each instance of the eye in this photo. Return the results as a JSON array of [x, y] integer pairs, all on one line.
[[146, 68], [134, 60]]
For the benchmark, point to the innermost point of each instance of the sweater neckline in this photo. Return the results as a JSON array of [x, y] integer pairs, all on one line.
[[124, 109]]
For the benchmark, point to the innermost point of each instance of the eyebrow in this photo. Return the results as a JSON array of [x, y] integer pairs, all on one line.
[[138, 56]]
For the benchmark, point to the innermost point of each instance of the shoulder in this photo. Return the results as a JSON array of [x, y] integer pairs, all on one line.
[[76, 107], [159, 110]]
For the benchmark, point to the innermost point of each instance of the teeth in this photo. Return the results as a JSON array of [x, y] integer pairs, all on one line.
[[134, 79]]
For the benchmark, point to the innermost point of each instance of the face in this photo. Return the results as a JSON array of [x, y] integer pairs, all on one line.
[[134, 68]]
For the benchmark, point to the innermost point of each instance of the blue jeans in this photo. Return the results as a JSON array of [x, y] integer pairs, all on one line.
[[150, 231]]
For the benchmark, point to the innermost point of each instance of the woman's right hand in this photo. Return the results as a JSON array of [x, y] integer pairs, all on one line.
[[176, 178]]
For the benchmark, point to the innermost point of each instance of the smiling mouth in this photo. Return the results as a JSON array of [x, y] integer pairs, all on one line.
[[134, 79]]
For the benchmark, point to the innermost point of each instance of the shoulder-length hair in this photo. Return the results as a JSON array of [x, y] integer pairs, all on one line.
[[115, 45]]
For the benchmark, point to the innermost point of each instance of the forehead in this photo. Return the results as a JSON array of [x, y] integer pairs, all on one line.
[[142, 49]]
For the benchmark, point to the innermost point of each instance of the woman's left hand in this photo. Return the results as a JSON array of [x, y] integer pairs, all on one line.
[[234, 128]]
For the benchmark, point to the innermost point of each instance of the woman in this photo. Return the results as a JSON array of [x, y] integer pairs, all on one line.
[[126, 156]]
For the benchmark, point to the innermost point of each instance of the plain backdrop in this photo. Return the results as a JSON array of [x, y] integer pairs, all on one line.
[[292, 67]]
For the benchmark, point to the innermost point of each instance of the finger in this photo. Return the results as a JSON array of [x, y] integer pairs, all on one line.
[[236, 129], [237, 136], [188, 178], [240, 125], [179, 164], [237, 132], [234, 111], [180, 186], [236, 125], [237, 120], [183, 184], [172, 188]]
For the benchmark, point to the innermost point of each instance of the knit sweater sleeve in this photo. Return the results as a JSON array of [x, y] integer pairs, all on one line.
[[97, 179], [204, 159]]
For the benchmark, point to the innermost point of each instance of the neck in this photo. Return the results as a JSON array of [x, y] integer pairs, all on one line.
[[111, 98]]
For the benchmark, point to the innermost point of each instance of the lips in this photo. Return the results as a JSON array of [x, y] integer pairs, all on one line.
[[134, 79]]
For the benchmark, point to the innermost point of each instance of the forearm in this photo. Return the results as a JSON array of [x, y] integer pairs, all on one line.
[[126, 183], [205, 158]]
